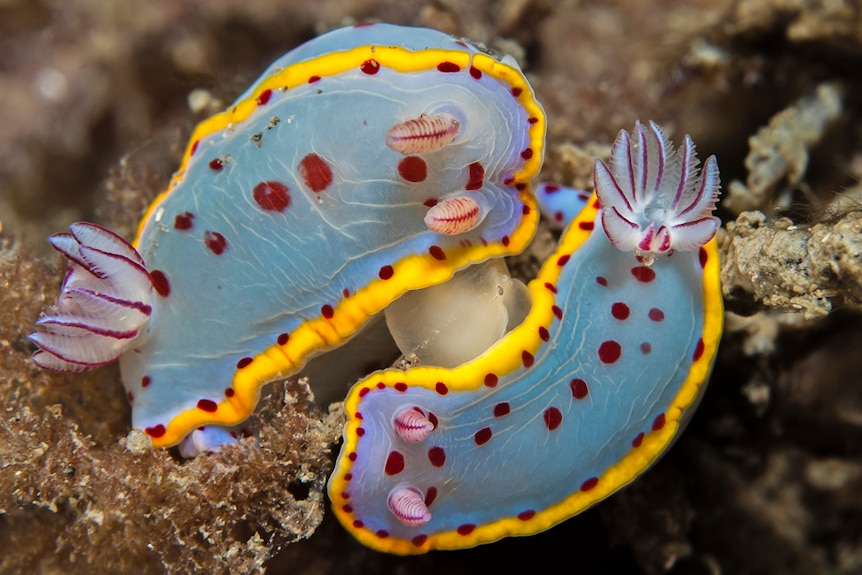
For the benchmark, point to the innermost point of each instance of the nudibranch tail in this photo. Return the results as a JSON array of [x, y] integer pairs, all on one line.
[[653, 199], [570, 405], [105, 301]]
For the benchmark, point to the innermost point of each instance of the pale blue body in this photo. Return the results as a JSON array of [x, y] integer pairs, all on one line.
[[526, 466], [279, 269]]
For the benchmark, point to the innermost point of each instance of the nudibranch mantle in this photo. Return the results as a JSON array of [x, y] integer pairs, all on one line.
[[299, 213], [567, 408]]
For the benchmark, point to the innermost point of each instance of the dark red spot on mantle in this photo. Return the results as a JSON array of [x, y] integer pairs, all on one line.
[[394, 463], [441, 388], [326, 311], [475, 72], [476, 176], [658, 422], [215, 242], [620, 310], [466, 529], [482, 436], [553, 418], [437, 253], [207, 405], [589, 484], [437, 456], [216, 164], [271, 196], [491, 380], [609, 351], [579, 388], [315, 172], [160, 283], [184, 221], [386, 272], [244, 362], [264, 97], [501, 409], [370, 67], [156, 431], [643, 274], [448, 67], [413, 169], [698, 349]]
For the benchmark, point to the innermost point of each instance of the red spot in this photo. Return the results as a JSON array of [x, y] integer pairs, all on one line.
[[525, 210], [698, 350], [437, 456], [430, 202], [394, 463], [526, 515], [656, 314], [244, 362], [553, 418], [264, 97], [609, 351], [466, 529], [382, 533], [557, 311], [216, 165], [131, 397], [441, 388], [482, 436], [476, 177], [702, 256], [491, 380], [589, 484], [363, 392], [646, 348], [370, 67], [229, 392], [620, 310], [543, 333], [475, 72], [563, 260], [437, 253], [520, 186], [638, 440], [419, 540], [326, 311], [433, 419], [430, 496], [532, 120], [413, 169], [505, 240], [352, 457], [160, 283], [386, 272], [551, 189], [448, 67], [550, 287], [400, 386], [602, 281], [283, 338], [345, 293], [558, 216], [207, 405], [184, 221], [313, 79], [155, 431], [527, 153], [315, 172], [643, 274], [194, 147], [360, 432], [501, 409], [381, 385], [215, 242], [271, 196], [516, 92], [588, 226], [348, 477], [358, 524], [579, 388], [145, 381], [527, 358], [658, 422]]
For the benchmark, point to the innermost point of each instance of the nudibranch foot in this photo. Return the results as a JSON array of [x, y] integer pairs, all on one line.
[[210, 438], [653, 199], [560, 204], [105, 301], [573, 403]]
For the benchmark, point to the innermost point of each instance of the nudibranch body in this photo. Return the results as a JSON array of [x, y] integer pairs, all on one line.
[[370, 161], [572, 404]]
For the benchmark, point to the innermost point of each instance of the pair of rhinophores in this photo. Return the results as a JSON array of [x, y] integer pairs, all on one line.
[[379, 160]]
